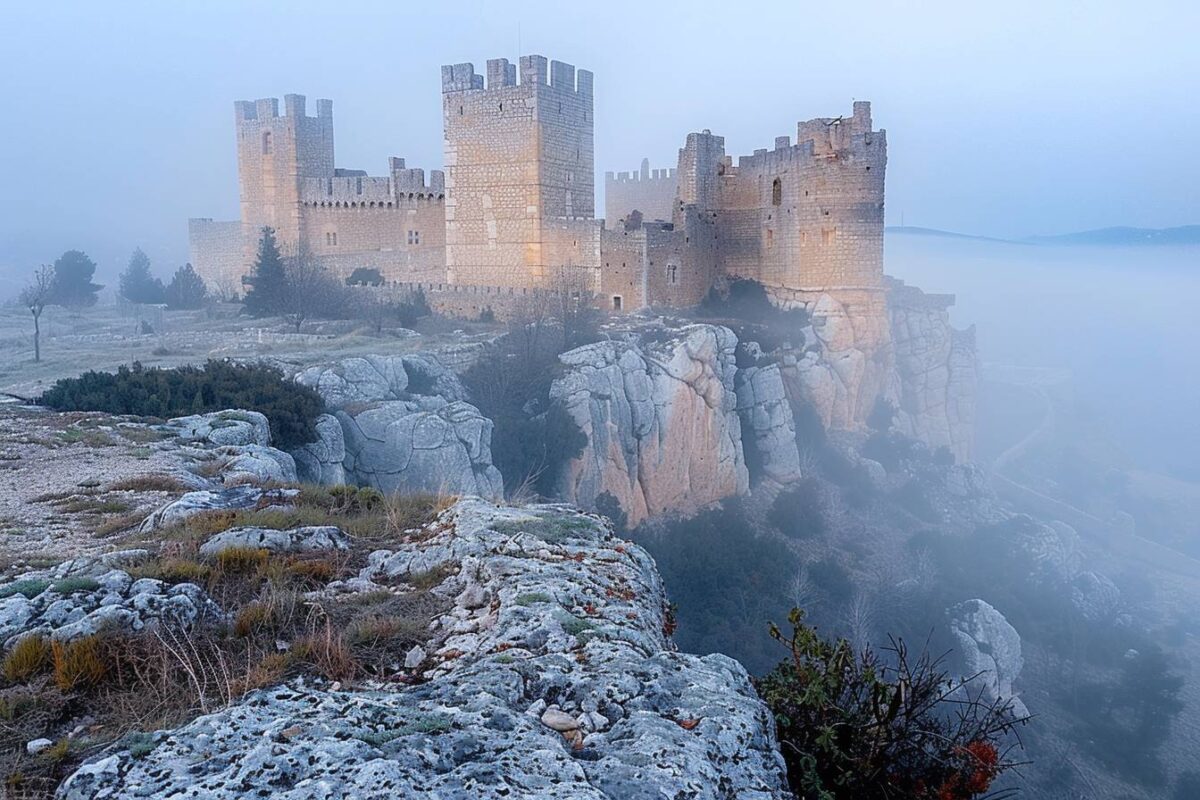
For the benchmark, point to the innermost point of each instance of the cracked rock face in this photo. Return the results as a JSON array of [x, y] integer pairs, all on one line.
[[83, 596], [660, 419], [401, 425], [320, 462], [549, 676], [989, 647], [234, 498], [936, 373], [304, 539], [767, 417]]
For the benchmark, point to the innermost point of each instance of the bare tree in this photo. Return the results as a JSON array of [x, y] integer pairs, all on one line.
[[573, 303], [306, 288], [860, 619], [36, 296]]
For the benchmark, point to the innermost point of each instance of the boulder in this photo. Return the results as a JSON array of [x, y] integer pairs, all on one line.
[[661, 421], [989, 648], [553, 690], [426, 445], [84, 596], [320, 462], [305, 539], [255, 463], [233, 498], [372, 378], [767, 424], [233, 427]]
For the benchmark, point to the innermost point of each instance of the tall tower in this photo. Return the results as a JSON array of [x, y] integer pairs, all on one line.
[[275, 155], [519, 171]]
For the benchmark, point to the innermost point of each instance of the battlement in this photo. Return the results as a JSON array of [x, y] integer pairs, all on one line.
[[532, 70], [643, 174], [355, 189], [266, 108]]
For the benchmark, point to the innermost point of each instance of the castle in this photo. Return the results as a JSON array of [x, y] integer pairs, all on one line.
[[514, 210]]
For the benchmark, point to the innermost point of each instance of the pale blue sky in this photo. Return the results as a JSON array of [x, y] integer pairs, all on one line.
[[1005, 119]]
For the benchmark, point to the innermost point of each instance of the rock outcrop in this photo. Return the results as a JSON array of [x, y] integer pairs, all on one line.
[[83, 596], [321, 462], [231, 499], [768, 430], [549, 676], [989, 649], [403, 426], [304, 539], [239, 442], [661, 422], [845, 363], [899, 346], [936, 371]]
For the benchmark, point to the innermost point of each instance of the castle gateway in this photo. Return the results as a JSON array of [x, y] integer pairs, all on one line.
[[514, 211]]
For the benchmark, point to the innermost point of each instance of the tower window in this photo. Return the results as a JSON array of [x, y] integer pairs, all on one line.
[[414, 237], [770, 237], [266, 143], [331, 239], [616, 300], [672, 274], [777, 192]]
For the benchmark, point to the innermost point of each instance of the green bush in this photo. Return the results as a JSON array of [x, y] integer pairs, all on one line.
[[292, 409], [853, 726]]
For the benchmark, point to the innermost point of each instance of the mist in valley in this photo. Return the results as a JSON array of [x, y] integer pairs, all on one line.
[[509, 516]]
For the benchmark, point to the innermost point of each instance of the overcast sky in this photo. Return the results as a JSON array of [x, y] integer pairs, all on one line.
[[1003, 118]]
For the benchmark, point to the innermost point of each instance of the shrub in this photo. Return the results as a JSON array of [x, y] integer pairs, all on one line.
[[364, 276], [291, 409], [852, 727], [27, 658], [78, 664], [29, 588]]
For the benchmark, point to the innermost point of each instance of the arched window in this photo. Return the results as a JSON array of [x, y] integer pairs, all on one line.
[[777, 192]]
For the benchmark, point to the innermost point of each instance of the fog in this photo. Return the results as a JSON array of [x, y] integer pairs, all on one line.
[[1037, 522], [1119, 320]]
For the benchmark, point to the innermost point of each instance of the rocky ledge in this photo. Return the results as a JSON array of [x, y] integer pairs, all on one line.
[[551, 675]]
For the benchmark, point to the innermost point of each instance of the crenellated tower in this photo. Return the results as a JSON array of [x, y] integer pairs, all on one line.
[[276, 155], [520, 193]]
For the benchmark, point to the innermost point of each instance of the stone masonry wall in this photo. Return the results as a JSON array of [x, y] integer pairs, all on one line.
[[652, 192], [516, 155], [215, 251]]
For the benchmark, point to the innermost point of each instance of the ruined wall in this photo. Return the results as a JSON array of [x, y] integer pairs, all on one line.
[[809, 215], [652, 192], [516, 155], [215, 251]]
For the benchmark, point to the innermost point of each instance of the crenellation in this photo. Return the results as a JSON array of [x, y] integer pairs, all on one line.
[[515, 206]]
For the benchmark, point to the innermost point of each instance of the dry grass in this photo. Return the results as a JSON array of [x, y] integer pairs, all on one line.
[[28, 657], [78, 664], [126, 683], [148, 483], [118, 524]]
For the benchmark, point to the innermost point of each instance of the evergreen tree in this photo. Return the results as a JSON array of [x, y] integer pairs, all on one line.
[[268, 281], [137, 284], [187, 289], [73, 285]]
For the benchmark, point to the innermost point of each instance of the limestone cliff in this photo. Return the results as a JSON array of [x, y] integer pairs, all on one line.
[[864, 346], [936, 371], [660, 414], [549, 675]]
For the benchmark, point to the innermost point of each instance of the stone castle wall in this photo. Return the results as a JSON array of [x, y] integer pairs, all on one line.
[[651, 192], [518, 155], [215, 251]]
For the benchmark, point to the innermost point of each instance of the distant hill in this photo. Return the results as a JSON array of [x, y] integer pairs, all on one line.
[[915, 231], [1117, 236], [1184, 234]]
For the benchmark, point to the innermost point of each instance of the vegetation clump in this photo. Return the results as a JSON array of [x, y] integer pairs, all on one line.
[[290, 408], [854, 726]]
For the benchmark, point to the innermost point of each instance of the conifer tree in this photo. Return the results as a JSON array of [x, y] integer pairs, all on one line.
[[137, 284], [187, 289], [73, 287], [267, 283]]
